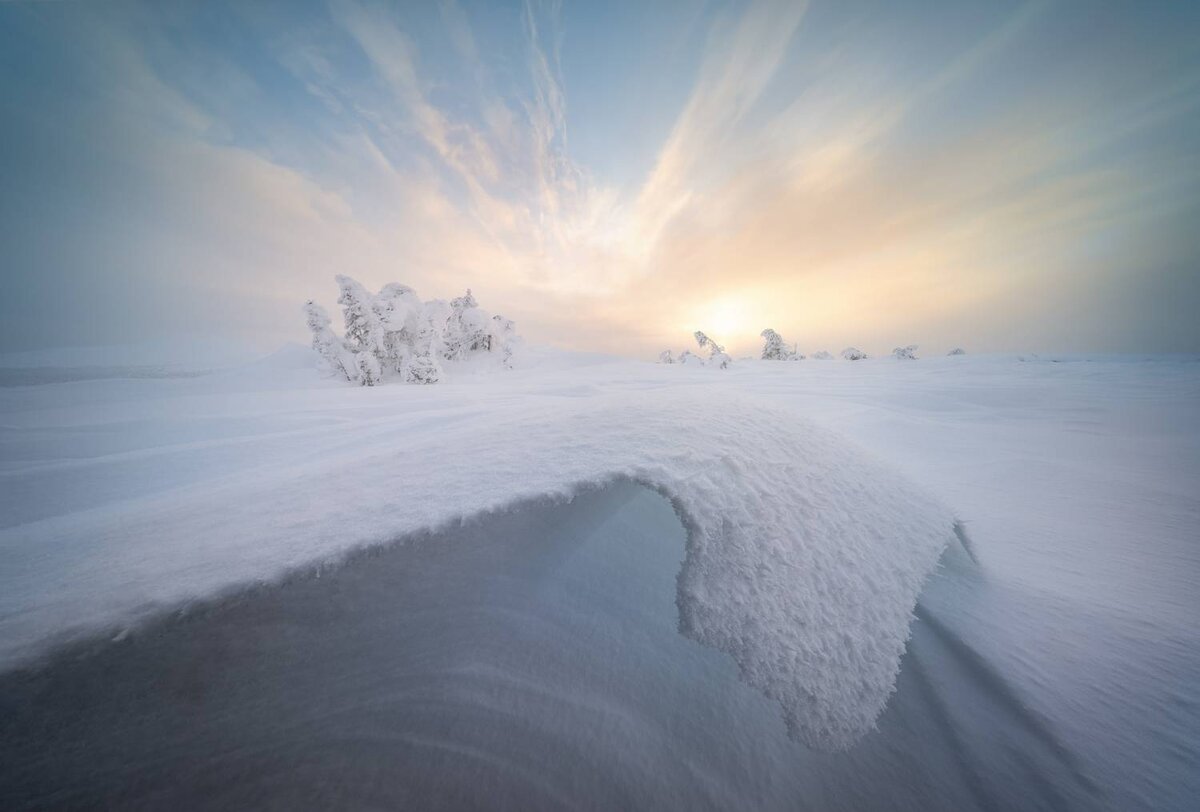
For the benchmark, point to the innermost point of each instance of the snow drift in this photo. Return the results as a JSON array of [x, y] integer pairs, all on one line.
[[1068, 659], [804, 557], [522, 661]]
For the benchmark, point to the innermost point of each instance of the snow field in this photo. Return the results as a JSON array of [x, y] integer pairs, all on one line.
[[1075, 478], [804, 560]]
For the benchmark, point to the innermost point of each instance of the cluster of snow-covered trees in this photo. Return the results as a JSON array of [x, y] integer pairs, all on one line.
[[775, 348], [717, 356], [393, 334]]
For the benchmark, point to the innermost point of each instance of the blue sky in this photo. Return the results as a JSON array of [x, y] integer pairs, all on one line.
[[1004, 176]]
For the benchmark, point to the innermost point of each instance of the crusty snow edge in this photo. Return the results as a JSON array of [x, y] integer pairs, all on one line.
[[804, 556]]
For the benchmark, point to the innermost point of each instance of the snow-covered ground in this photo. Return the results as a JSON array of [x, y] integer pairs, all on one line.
[[1075, 479]]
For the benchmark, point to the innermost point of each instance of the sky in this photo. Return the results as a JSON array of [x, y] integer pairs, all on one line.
[[1000, 176]]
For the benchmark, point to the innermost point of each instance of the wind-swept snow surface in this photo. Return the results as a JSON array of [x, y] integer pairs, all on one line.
[[804, 557], [1057, 669], [519, 661]]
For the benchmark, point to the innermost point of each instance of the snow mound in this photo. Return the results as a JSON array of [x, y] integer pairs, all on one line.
[[804, 556]]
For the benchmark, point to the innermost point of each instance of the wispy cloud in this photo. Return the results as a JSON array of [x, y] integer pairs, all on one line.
[[732, 78], [804, 184]]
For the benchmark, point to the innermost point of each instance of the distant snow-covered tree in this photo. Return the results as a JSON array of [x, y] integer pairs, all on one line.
[[853, 354], [717, 357], [432, 337], [464, 302], [908, 353], [957, 351], [399, 311], [394, 333], [706, 342], [501, 332], [822, 355], [421, 369], [364, 331], [467, 328], [370, 371], [774, 348], [716, 353], [331, 350]]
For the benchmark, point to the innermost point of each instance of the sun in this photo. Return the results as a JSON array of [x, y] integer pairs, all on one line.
[[725, 319]]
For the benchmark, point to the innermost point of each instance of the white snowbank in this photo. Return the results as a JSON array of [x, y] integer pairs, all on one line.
[[1076, 477], [804, 561]]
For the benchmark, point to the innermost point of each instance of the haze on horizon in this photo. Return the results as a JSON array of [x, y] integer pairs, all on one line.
[[1004, 176]]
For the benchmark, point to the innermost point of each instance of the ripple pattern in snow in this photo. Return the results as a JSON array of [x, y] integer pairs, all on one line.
[[804, 558]]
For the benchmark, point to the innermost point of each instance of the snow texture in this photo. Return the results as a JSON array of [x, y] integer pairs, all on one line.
[[1064, 656], [538, 651], [1075, 477], [804, 559]]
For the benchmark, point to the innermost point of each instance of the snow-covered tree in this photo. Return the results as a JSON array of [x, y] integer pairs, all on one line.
[[501, 332], [908, 353], [394, 333], [957, 351], [853, 354], [716, 353], [364, 331], [822, 355], [330, 349], [421, 369], [399, 310], [370, 371], [706, 342], [467, 328], [717, 357], [431, 339], [775, 349]]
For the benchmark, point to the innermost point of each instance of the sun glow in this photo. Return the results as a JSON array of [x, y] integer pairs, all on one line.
[[725, 319]]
